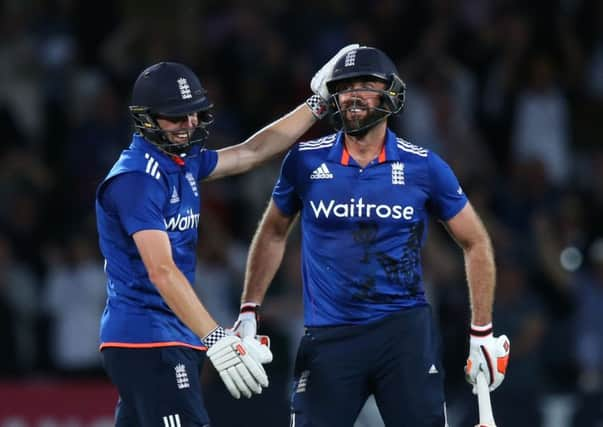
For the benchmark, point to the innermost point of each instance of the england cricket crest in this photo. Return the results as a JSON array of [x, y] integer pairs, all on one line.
[[185, 89], [191, 180], [398, 173]]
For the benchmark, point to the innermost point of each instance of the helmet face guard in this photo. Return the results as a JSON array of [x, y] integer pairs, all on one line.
[[146, 123], [170, 91], [365, 63]]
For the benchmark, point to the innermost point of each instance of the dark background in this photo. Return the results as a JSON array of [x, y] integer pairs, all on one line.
[[510, 93]]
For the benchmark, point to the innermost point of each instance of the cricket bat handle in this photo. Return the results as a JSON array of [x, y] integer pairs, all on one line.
[[486, 418]]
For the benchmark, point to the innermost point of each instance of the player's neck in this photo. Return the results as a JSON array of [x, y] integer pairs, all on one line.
[[367, 147]]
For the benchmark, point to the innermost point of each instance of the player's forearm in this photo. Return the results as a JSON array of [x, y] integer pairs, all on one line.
[[275, 138], [481, 277], [178, 294], [265, 256]]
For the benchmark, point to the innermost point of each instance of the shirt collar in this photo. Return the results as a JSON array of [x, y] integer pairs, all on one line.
[[389, 152], [171, 163]]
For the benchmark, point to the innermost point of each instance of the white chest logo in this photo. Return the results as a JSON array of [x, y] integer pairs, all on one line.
[[321, 172], [398, 173]]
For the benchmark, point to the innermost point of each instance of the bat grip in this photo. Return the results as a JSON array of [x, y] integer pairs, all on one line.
[[486, 418]]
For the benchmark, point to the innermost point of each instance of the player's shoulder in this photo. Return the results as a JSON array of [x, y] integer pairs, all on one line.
[[138, 161], [319, 145], [145, 161], [411, 151]]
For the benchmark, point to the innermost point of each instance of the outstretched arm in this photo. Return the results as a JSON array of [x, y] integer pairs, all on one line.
[[264, 144], [278, 136]]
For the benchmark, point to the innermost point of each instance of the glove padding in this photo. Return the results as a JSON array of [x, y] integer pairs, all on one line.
[[246, 328], [319, 81], [259, 348], [240, 371], [490, 355]]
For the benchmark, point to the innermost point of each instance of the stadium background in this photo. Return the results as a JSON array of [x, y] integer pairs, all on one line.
[[509, 92]]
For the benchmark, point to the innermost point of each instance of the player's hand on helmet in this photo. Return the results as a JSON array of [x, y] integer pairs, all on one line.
[[487, 354], [241, 373], [318, 84], [322, 76], [246, 328]]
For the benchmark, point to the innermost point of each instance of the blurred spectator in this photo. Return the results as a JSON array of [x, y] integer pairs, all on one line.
[[588, 287], [541, 127], [510, 93], [18, 298], [74, 299]]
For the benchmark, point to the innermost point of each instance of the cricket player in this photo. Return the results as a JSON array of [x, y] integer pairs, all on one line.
[[364, 196], [154, 330]]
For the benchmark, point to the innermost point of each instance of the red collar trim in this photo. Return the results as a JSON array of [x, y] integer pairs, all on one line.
[[345, 156], [178, 160]]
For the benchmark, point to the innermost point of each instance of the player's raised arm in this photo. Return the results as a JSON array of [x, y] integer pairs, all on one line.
[[282, 133]]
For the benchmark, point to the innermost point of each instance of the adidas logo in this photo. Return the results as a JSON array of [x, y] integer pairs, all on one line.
[[175, 197], [321, 172], [433, 370]]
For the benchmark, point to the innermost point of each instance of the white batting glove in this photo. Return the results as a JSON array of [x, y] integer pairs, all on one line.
[[247, 322], [259, 348], [239, 370], [487, 354], [319, 81], [246, 328], [318, 84]]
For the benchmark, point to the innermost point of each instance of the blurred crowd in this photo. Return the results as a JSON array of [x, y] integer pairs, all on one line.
[[509, 92]]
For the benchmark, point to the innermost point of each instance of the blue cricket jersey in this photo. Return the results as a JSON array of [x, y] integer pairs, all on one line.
[[363, 228], [148, 190]]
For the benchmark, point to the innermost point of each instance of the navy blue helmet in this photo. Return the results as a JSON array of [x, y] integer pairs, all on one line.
[[169, 90], [366, 63]]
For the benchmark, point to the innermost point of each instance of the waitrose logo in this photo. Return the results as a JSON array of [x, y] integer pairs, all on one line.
[[360, 209], [182, 222]]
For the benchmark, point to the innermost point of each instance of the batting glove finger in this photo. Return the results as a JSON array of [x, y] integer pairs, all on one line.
[[232, 388], [256, 370], [249, 381]]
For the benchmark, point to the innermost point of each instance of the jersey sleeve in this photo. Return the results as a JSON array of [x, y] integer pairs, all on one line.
[[447, 196], [208, 162], [284, 195], [138, 198]]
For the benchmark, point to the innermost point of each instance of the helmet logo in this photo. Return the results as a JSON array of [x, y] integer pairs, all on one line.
[[185, 89], [350, 59]]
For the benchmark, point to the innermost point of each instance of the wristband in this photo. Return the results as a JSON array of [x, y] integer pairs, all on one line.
[[318, 106], [481, 331], [251, 307], [214, 336]]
